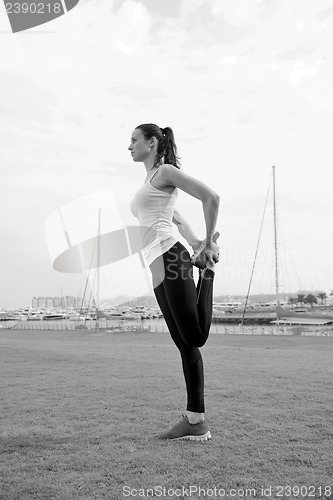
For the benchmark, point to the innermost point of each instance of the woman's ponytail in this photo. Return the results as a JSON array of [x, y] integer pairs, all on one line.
[[169, 147], [166, 149]]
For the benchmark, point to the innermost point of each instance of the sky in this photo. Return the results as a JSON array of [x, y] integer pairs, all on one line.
[[244, 84]]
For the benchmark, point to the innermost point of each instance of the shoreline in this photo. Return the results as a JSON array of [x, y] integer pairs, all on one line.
[[216, 329]]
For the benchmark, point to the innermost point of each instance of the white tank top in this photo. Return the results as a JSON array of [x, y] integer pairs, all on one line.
[[154, 209]]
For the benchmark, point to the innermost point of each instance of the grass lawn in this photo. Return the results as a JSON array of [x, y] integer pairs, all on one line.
[[79, 412]]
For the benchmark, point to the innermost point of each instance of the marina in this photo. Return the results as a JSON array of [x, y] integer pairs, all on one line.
[[230, 324]]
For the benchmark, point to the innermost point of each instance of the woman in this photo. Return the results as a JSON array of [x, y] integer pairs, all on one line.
[[187, 309]]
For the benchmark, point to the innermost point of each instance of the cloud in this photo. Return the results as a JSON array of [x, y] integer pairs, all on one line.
[[171, 8], [25, 102], [207, 28], [245, 118], [295, 53], [324, 14], [139, 94], [301, 72], [238, 13], [133, 25]]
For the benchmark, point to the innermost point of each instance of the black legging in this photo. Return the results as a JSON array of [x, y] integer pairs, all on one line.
[[187, 311]]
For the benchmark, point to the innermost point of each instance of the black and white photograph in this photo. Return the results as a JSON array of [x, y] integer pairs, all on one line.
[[166, 275]]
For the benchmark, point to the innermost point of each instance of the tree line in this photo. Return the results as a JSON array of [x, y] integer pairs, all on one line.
[[309, 299]]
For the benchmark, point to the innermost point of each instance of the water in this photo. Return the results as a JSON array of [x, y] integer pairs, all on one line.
[[159, 325]]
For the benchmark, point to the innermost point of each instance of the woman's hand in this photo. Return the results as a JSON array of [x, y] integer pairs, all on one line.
[[212, 252], [196, 244], [204, 252]]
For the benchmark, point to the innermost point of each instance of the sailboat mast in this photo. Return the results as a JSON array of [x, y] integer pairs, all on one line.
[[275, 244], [98, 257]]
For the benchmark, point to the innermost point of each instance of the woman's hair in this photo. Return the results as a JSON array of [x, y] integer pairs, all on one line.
[[166, 147]]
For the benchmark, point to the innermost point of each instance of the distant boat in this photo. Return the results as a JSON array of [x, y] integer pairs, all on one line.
[[34, 317], [54, 316], [302, 318], [7, 317]]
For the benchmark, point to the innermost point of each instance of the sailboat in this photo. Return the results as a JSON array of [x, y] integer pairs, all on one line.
[[289, 317], [94, 311], [285, 317]]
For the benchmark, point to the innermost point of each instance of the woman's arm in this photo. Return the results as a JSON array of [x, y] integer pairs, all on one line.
[[185, 230], [172, 176]]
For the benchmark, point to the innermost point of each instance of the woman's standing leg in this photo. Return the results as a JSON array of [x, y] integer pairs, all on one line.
[[194, 318], [191, 358]]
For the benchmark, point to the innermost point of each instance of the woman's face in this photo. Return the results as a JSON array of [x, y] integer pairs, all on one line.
[[140, 146]]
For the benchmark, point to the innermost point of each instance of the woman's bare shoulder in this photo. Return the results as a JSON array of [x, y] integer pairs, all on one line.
[[172, 176], [163, 174], [168, 172]]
